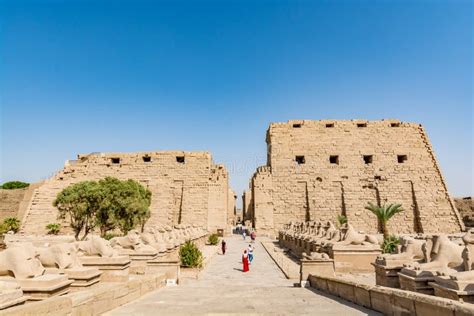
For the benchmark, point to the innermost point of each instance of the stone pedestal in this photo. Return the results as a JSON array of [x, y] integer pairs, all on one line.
[[166, 266], [459, 290], [323, 267], [416, 280], [386, 271], [138, 259], [82, 277], [11, 295], [45, 286], [354, 258], [114, 269]]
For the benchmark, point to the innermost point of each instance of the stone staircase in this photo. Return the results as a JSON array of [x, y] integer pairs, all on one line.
[[41, 211]]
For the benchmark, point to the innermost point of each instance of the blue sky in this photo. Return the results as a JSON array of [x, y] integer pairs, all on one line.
[[87, 76]]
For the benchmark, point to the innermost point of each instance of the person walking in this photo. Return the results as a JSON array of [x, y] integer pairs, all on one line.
[[245, 261], [250, 250], [253, 235], [224, 246], [244, 234]]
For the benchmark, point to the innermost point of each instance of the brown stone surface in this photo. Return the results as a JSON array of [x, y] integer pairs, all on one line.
[[302, 182], [390, 301], [191, 192], [465, 207]]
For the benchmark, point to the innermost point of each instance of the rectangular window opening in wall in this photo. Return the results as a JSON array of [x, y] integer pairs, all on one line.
[[115, 160], [334, 160], [402, 158], [300, 160], [329, 125], [296, 125], [146, 159], [394, 124], [368, 159], [361, 124], [180, 159]]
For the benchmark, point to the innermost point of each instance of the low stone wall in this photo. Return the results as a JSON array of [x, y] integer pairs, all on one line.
[[95, 301], [390, 301], [290, 268]]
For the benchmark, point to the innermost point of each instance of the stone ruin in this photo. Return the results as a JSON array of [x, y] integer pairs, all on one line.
[[438, 264], [187, 188], [317, 170], [35, 269], [348, 249]]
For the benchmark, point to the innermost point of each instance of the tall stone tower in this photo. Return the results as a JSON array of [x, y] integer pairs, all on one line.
[[317, 170]]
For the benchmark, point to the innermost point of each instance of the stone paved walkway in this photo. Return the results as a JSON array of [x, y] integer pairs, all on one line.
[[224, 289]]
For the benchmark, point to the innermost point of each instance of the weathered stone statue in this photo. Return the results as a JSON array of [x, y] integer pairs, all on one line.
[[131, 241], [10, 294], [349, 236], [95, 246], [152, 238], [448, 255], [61, 256], [20, 262]]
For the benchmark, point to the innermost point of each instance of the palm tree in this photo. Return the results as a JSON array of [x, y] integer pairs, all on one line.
[[384, 213]]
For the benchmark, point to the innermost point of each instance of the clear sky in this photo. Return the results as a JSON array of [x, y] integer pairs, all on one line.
[[88, 76]]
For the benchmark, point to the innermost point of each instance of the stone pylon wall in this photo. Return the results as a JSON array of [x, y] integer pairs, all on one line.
[[187, 187], [317, 170], [231, 210]]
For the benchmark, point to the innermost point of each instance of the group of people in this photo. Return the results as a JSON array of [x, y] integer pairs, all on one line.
[[247, 256]]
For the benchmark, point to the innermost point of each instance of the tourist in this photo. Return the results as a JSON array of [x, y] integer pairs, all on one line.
[[250, 249], [245, 261], [253, 235], [224, 246], [244, 234]]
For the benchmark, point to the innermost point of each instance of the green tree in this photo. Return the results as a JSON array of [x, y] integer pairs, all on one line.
[[124, 204], [11, 224], [384, 213], [80, 203], [14, 185]]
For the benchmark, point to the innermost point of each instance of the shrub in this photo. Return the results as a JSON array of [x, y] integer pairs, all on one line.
[[11, 224], [190, 255], [3, 229], [213, 239], [390, 244], [53, 228], [14, 185], [341, 219]]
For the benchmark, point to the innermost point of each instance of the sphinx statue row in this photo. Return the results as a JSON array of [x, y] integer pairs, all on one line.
[[351, 250], [35, 268], [431, 264], [315, 239]]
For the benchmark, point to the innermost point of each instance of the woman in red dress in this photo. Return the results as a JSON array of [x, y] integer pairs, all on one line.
[[245, 261]]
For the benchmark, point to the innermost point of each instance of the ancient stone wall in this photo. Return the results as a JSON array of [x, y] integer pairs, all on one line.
[[465, 207], [218, 195], [231, 210], [187, 187], [14, 203], [10, 202], [247, 205], [321, 169]]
